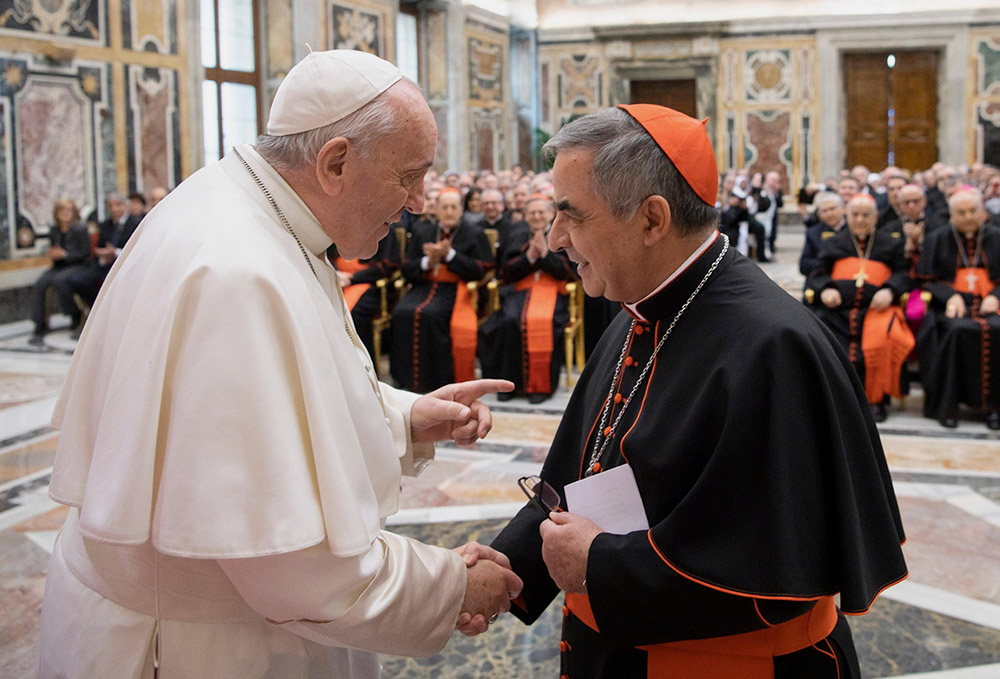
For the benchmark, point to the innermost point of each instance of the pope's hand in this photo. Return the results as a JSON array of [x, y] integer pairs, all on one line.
[[566, 540], [455, 411]]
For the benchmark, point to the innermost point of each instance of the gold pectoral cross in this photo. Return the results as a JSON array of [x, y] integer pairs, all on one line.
[[971, 279], [860, 278]]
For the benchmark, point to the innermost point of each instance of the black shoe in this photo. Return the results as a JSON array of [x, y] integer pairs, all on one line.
[[948, 422], [879, 412], [993, 420], [505, 395], [535, 399], [37, 340]]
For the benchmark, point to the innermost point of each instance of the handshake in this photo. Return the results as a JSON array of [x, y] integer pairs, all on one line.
[[489, 587]]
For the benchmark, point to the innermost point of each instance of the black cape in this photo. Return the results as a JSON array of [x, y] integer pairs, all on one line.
[[759, 466]]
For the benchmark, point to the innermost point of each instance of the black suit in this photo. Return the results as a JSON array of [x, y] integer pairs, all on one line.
[[76, 242], [87, 281]]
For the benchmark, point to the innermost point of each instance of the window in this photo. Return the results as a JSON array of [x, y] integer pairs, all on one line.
[[408, 41], [230, 93]]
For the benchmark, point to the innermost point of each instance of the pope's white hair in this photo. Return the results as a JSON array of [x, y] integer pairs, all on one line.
[[364, 128]]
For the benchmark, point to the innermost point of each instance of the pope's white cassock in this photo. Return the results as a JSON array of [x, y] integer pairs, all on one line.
[[230, 460]]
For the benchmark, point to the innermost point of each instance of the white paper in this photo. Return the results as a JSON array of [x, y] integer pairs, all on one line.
[[610, 499]]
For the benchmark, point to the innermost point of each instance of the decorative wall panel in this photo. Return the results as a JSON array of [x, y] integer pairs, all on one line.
[[573, 83], [154, 151], [360, 26], [53, 141], [487, 71], [82, 20], [150, 26], [767, 107], [984, 96]]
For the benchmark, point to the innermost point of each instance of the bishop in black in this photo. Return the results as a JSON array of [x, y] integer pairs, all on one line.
[[960, 266], [754, 452]]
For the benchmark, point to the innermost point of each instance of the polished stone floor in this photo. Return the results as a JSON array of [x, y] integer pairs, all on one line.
[[943, 622]]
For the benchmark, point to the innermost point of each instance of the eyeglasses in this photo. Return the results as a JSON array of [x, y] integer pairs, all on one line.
[[541, 494]]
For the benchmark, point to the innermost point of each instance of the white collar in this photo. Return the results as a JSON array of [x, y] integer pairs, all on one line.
[[633, 308], [298, 214]]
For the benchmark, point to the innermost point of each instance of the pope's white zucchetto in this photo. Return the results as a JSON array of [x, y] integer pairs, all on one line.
[[326, 87]]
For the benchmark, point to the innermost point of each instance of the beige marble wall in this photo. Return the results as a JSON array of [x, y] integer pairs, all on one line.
[[488, 95], [983, 95], [91, 105], [767, 107], [572, 82]]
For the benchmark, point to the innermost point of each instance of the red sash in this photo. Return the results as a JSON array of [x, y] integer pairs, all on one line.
[[536, 328], [848, 268], [352, 293], [976, 281], [350, 266], [747, 656], [463, 325], [886, 340]]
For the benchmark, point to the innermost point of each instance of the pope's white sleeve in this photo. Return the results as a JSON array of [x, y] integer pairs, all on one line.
[[413, 457], [401, 597]]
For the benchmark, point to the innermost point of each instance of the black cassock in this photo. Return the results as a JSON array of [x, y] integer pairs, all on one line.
[[364, 274], [760, 470], [422, 357], [847, 320], [502, 339], [955, 353]]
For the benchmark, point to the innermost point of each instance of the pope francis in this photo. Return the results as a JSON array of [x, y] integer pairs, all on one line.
[[227, 453]]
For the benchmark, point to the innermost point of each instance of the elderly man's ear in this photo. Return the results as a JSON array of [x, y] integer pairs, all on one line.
[[656, 212], [330, 165]]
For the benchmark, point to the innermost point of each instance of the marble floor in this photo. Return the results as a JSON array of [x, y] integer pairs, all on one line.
[[942, 623]]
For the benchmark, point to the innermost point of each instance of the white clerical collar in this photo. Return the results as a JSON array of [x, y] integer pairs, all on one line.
[[301, 218], [633, 308]]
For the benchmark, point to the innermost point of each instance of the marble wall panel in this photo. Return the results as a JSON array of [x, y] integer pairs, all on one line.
[[767, 76], [7, 209], [768, 143], [359, 26], [767, 107], [149, 25], [279, 35], [487, 70], [988, 132], [984, 101], [83, 20], [437, 55], [154, 152], [573, 82], [486, 147], [988, 66], [580, 82], [57, 142], [53, 133]]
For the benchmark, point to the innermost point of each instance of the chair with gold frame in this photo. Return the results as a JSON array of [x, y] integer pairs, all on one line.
[[573, 334]]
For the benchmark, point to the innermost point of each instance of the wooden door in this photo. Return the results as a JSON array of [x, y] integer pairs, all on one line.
[[891, 110], [914, 97], [680, 95], [866, 83]]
